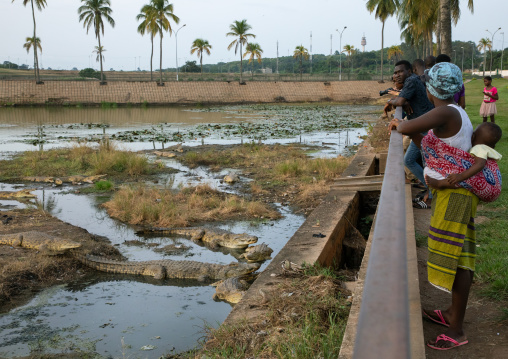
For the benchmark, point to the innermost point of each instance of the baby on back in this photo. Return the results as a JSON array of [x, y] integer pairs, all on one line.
[[484, 140]]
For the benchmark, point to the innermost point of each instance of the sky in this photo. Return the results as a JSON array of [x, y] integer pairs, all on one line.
[[66, 44]]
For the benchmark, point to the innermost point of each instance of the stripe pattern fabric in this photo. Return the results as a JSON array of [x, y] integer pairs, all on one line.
[[452, 236]]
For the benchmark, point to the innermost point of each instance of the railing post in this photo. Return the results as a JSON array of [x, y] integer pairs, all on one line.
[[383, 325]]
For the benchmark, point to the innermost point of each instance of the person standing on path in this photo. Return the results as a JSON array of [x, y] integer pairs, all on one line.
[[413, 98], [490, 97], [452, 234]]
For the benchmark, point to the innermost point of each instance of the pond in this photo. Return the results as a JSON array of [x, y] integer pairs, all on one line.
[[115, 316]]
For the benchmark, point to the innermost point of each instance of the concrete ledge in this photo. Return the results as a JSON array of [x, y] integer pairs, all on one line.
[[333, 218], [415, 320]]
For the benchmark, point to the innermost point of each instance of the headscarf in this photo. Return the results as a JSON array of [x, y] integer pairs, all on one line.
[[444, 80]]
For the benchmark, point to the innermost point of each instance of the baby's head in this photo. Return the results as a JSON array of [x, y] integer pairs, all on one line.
[[487, 133]]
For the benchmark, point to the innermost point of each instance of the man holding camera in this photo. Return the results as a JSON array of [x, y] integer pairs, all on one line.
[[413, 99]]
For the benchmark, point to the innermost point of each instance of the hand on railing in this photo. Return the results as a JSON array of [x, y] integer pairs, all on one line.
[[394, 124]]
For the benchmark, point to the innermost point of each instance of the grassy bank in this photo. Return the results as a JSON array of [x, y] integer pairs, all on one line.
[[82, 159], [281, 172], [492, 261], [306, 319]]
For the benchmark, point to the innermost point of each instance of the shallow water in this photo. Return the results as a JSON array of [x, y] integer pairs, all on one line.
[[93, 314]]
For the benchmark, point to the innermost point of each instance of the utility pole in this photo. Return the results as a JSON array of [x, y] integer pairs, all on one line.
[[340, 52], [176, 48], [502, 53], [493, 34], [277, 69], [311, 52], [472, 59]]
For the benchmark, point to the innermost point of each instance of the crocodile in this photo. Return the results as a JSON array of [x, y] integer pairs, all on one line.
[[38, 240], [230, 290], [24, 193], [258, 253], [213, 237], [166, 268]]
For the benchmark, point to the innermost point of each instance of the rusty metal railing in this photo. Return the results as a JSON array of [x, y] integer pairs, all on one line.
[[383, 325]]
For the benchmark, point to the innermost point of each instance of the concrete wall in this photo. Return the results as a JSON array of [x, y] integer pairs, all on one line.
[[91, 92]]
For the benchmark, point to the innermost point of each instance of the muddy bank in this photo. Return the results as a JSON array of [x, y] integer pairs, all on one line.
[[24, 271]]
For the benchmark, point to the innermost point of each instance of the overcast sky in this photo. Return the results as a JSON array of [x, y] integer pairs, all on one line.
[[65, 43]]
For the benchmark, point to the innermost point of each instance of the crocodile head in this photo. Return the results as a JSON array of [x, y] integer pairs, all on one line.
[[59, 245], [230, 290], [258, 253], [232, 240], [238, 269]]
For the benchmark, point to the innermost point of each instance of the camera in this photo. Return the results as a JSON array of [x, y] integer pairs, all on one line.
[[385, 92]]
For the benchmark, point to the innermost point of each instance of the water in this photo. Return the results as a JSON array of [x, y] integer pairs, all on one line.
[[94, 314]]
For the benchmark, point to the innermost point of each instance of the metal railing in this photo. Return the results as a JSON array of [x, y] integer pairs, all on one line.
[[383, 325]]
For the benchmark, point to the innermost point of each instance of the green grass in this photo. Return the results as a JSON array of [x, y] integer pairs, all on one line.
[[492, 260]]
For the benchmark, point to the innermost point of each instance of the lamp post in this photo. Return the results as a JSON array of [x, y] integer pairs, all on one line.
[[340, 51], [502, 53], [176, 47], [462, 68], [455, 56], [493, 34], [472, 58]]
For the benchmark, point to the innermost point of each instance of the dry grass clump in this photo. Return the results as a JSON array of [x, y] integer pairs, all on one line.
[[164, 207], [82, 158], [306, 318]]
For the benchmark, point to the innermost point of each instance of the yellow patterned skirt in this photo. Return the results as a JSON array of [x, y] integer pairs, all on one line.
[[452, 235]]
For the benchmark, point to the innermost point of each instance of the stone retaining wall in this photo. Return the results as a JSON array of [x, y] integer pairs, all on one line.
[[91, 92]]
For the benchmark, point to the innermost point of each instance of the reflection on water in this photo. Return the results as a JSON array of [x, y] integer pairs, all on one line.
[[95, 314]]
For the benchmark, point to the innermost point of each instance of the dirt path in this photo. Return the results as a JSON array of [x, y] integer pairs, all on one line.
[[487, 334]]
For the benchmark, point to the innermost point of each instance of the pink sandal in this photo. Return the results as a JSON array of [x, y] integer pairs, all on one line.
[[441, 320], [446, 339]]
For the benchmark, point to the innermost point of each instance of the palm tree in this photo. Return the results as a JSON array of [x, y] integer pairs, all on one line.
[[99, 51], [448, 10], [32, 42], [148, 24], [162, 13], [255, 51], [91, 13], [40, 5], [383, 9], [395, 52], [349, 50], [301, 52], [484, 44], [199, 46], [239, 30]]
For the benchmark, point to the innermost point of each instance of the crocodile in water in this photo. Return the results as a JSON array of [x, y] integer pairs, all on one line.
[[167, 268], [213, 237], [38, 240]]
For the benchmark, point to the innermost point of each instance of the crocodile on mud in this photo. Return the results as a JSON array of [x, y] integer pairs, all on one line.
[[230, 290], [38, 240], [166, 268], [213, 237], [258, 253], [24, 193]]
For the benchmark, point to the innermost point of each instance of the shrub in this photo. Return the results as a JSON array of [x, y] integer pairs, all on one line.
[[91, 73]]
